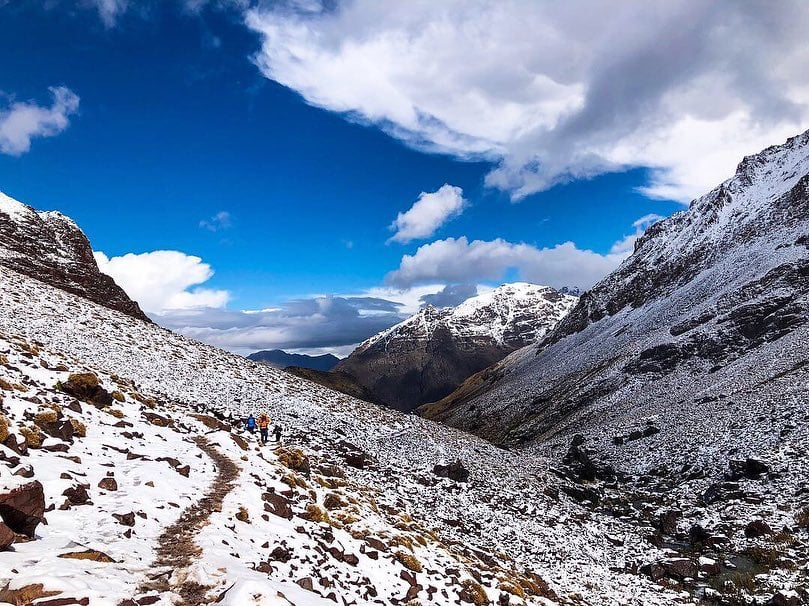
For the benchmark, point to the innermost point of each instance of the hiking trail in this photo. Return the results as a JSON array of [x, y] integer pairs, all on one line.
[[176, 546]]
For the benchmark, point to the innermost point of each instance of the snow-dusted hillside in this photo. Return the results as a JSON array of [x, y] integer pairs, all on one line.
[[390, 531], [689, 359], [426, 356]]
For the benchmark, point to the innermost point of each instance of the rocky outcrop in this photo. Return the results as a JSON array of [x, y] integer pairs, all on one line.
[[428, 355], [50, 247]]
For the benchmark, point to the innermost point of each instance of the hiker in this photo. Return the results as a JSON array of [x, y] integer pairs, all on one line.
[[264, 427], [277, 432], [250, 425]]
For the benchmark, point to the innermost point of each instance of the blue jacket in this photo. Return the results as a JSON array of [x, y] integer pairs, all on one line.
[[251, 422]]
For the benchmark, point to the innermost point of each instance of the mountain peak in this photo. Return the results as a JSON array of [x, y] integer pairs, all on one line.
[[50, 247], [427, 355]]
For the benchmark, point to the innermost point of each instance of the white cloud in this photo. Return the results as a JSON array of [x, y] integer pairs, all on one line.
[[162, 280], [23, 121], [459, 261], [556, 91], [428, 213], [110, 10], [217, 222]]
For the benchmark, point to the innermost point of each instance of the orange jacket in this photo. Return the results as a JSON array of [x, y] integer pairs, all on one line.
[[263, 422]]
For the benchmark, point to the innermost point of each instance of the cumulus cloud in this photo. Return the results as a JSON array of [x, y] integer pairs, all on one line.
[[457, 260], [163, 280], [217, 222], [22, 121], [555, 91], [428, 213]]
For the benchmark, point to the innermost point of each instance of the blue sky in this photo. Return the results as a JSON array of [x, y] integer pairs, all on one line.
[[189, 112]]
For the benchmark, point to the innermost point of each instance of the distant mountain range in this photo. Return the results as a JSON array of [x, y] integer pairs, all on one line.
[[278, 358], [428, 355]]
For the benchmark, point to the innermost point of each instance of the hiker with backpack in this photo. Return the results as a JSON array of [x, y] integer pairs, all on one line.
[[264, 427], [250, 424]]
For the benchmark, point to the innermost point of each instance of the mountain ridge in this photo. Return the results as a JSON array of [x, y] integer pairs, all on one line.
[[279, 358]]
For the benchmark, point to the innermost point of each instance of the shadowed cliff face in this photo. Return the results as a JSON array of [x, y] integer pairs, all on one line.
[[50, 247], [714, 300], [428, 355]]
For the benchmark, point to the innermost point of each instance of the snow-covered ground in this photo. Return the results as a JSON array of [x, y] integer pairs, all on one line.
[[392, 528]]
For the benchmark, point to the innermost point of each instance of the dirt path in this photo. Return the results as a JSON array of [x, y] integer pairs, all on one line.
[[177, 548]]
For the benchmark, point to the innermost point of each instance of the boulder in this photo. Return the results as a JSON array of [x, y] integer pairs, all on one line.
[[23, 508], [751, 468], [680, 568], [454, 471], [108, 484], [85, 386], [62, 430], [125, 519], [278, 505], [77, 495], [7, 536], [757, 528]]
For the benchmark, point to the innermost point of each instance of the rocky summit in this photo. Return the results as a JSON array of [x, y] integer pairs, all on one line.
[[50, 247], [428, 355]]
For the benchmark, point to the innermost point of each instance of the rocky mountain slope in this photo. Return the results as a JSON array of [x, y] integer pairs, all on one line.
[[428, 355], [50, 247], [115, 429], [277, 358], [685, 373]]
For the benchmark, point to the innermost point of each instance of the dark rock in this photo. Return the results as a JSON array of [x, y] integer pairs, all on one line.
[[281, 554], [680, 568], [23, 508], [698, 535], [667, 521], [454, 471], [108, 484], [7, 536], [757, 528], [125, 519], [77, 495], [86, 387], [278, 505]]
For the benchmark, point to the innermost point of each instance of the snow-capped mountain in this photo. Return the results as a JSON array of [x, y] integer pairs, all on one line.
[[428, 355], [50, 247]]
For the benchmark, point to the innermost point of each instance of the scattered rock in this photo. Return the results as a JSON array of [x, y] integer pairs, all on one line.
[[90, 554], [454, 471], [76, 495], [23, 508], [757, 528], [108, 484], [125, 519]]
